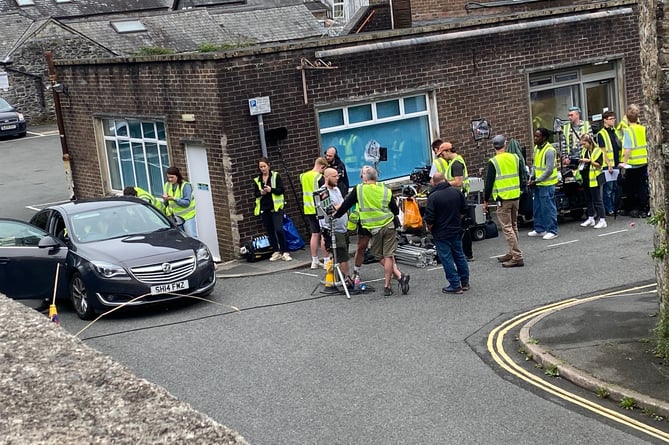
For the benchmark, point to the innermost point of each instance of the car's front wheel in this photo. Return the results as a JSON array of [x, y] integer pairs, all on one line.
[[80, 298]]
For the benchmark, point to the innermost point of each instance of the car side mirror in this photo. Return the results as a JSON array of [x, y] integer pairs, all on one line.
[[49, 242], [177, 220]]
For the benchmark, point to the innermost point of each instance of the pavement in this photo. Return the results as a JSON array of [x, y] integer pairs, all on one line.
[[600, 342]]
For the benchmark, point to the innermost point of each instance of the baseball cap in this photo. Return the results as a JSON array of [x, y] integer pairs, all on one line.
[[498, 141], [575, 109]]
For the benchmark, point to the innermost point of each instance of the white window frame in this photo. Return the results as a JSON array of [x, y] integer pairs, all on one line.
[[375, 120], [106, 168]]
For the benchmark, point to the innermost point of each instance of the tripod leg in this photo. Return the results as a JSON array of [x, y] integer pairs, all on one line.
[[343, 281]]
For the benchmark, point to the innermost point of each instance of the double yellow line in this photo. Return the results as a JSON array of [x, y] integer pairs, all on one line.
[[496, 348]]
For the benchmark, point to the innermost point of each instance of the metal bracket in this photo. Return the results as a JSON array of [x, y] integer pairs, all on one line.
[[306, 64]]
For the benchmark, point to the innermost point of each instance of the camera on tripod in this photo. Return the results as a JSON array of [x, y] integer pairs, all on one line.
[[323, 203]]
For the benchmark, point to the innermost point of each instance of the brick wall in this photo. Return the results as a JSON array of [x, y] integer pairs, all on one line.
[[471, 78], [426, 10]]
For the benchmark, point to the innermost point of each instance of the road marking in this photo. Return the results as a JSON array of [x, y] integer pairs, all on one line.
[[613, 233], [496, 349], [307, 274], [563, 243]]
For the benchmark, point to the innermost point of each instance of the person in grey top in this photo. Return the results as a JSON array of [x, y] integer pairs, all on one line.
[[544, 178], [331, 176]]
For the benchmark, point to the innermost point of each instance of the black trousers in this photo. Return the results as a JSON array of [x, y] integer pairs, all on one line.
[[467, 244], [635, 188], [273, 223]]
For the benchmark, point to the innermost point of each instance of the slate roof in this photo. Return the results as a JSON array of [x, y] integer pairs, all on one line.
[[235, 6], [14, 26], [272, 25], [49, 8], [181, 31]]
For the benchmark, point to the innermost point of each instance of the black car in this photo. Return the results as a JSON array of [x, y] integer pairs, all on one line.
[[12, 123], [113, 251]]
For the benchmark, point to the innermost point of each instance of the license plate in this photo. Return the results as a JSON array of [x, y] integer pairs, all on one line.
[[7, 127], [172, 287]]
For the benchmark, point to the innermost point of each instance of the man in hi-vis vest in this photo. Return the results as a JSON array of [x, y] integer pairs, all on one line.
[[502, 184], [377, 209], [635, 163], [311, 181]]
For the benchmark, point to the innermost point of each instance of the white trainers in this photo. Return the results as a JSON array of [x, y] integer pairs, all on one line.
[[535, 233], [550, 235], [588, 222], [275, 256], [286, 257], [601, 224], [316, 265]]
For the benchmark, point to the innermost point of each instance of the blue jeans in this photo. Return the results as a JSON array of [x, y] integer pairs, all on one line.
[[610, 196], [453, 260], [545, 210], [190, 227]]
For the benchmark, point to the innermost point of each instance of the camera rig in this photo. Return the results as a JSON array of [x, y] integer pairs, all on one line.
[[421, 175], [322, 202]]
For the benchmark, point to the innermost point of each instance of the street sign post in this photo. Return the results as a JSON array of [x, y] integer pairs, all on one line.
[[257, 107]]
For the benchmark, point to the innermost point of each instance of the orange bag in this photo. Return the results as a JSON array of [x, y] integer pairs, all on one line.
[[412, 218]]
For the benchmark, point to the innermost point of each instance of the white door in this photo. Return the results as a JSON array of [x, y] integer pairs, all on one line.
[[198, 176]]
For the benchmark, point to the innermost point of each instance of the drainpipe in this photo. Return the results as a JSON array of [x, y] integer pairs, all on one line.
[[363, 48], [59, 120], [392, 15]]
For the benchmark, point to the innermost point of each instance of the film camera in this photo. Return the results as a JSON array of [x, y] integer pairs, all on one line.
[[323, 203], [420, 175]]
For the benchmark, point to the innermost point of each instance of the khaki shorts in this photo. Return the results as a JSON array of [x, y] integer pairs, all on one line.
[[384, 242], [342, 241]]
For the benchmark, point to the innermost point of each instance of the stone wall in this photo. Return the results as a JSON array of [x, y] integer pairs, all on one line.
[[29, 75]]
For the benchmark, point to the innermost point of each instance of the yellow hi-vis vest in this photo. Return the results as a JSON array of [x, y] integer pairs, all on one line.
[[309, 181], [622, 127], [540, 164], [353, 219], [465, 178], [593, 172], [148, 197], [441, 164], [276, 199], [608, 146], [566, 130], [507, 180], [639, 153], [173, 208], [373, 201]]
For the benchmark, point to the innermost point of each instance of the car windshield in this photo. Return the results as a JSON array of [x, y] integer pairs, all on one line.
[[112, 222], [15, 233], [4, 106]]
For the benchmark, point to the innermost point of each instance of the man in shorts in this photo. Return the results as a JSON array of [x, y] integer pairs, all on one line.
[[377, 210]]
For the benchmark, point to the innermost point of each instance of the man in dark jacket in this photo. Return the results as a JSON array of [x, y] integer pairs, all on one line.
[[446, 206], [335, 162]]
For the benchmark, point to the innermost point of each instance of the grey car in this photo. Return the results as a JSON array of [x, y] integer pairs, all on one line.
[[114, 252], [12, 123]]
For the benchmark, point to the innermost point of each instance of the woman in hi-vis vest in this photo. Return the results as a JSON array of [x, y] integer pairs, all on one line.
[[180, 200], [268, 191]]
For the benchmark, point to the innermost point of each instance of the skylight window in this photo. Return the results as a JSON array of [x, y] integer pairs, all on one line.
[[126, 26], [25, 2]]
